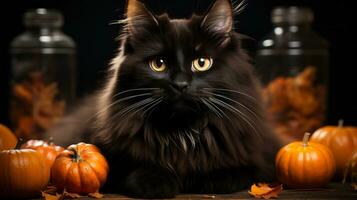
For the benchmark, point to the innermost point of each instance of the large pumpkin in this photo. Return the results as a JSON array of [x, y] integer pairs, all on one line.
[[80, 169], [49, 150], [341, 140], [7, 139], [304, 164], [23, 173]]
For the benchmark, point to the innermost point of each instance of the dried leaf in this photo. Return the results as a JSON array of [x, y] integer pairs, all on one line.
[[274, 193], [68, 195], [354, 186], [96, 195], [295, 104], [38, 100], [265, 191], [50, 190], [22, 93], [48, 196]]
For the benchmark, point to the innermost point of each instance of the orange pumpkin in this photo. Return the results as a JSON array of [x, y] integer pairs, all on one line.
[[341, 140], [49, 150], [7, 139], [23, 173], [304, 164], [80, 169]]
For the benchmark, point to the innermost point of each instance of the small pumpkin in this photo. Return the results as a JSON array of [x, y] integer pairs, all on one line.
[[304, 164], [341, 140], [81, 169], [49, 150], [23, 173], [7, 139]]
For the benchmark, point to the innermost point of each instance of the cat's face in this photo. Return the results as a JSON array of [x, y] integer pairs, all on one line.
[[172, 67]]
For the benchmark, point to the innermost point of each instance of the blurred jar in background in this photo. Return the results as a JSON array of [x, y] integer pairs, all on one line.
[[43, 74], [292, 62]]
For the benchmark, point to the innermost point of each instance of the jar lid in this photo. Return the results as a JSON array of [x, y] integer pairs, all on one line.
[[292, 15], [43, 17]]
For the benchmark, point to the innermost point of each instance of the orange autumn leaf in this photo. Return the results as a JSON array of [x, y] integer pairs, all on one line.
[[96, 195], [48, 196], [265, 191], [36, 105]]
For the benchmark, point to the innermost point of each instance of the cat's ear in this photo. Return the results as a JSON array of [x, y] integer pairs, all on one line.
[[138, 16], [219, 18]]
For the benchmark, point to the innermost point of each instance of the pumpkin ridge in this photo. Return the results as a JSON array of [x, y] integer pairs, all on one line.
[[7, 175], [321, 152], [80, 174], [307, 168], [19, 158], [44, 163], [11, 156], [326, 156], [65, 182], [94, 169], [302, 175], [288, 164], [32, 157]]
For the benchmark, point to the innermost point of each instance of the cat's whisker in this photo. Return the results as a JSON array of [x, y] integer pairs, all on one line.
[[232, 100], [135, 89], [120, 100], [217, 108], [140, 108], [139, 105], [132, 107], [213, 104], [147, 107], [210, 107], [232, 91], [236, 111], [152, 107]]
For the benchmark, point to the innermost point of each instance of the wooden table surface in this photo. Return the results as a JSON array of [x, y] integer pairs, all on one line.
[[332, 191]]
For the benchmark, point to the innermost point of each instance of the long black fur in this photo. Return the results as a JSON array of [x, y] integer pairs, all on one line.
[[160, 140]]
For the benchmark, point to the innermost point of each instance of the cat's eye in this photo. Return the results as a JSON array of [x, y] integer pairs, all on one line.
[[157, 64], [201, 64]]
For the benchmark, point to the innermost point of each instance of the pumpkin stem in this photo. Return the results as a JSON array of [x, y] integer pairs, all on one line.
[[76, 156], [50, 141], [20, 141], [305, 139], [340, 123]]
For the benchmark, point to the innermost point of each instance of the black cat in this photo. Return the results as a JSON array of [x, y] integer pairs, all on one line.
[[181, 110]]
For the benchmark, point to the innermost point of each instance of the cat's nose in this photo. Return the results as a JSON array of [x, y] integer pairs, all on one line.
[[180, 85], [181, 82]]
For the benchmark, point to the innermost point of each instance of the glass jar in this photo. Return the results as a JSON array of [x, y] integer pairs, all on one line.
[[292, 62], [43, 74]]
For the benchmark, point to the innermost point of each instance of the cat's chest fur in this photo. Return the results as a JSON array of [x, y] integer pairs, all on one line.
[[197, 149]]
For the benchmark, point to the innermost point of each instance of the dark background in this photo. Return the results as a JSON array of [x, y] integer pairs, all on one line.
[[88, 23]]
